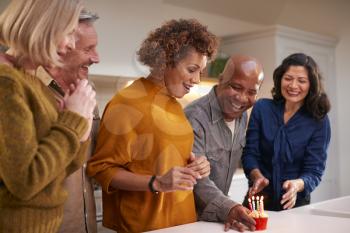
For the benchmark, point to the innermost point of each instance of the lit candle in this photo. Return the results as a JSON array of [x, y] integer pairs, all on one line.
[[262, 204], [250, 204], [257, 203], [253, 202]]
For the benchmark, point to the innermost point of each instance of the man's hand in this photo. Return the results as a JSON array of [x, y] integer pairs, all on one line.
[[239, 219], [81, 99], [199, 164]]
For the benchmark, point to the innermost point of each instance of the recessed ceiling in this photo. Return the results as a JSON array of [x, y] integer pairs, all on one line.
[[254, 11], [321, 16]]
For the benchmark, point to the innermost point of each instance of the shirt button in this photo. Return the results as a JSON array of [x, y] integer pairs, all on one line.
[[84, 166]]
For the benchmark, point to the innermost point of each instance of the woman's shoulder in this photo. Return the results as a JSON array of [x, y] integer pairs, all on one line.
[[263, 103], [130, 97], [10, 75], [324, 121], [7, 70], [134, 89]]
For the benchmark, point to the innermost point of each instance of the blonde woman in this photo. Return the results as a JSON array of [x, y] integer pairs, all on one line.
[[41, 141]]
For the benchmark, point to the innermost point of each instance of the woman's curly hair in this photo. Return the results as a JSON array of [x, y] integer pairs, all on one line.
[[167, 45], [316, 102]]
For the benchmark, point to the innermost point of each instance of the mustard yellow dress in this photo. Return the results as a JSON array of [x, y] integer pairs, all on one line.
[[144, 130]]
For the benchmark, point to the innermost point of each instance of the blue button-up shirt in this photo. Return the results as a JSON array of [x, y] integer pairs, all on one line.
[[297, 149]]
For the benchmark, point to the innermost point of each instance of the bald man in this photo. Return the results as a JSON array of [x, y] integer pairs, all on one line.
[[219, 121]]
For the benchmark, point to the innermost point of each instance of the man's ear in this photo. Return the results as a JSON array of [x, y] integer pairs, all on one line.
[[228, 71], [221, 77]]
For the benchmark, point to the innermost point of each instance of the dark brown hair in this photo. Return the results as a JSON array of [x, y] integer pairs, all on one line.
[[316, 102], [167, 45]]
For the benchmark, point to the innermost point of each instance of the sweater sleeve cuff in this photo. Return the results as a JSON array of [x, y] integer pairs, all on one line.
[[73, 121], [307, 188], [248, 168]]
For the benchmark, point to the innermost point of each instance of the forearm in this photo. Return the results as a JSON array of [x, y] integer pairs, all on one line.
[[40, 162], [80, 158], [177, 178], [211, 202], [255, 174], [310, 182], [121, 180], [218, 210], [315, 157], [311, 174]]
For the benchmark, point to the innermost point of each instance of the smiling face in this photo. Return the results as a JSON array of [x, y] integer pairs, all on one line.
[[237, 95], [79, 59], [181, 78], [238, 87], [295, 85]]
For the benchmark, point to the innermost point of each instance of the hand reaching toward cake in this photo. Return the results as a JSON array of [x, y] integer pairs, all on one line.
[[292, 187], [259, 182], [239, 219]]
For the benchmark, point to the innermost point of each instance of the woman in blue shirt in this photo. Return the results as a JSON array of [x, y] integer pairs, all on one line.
[[288, 136]]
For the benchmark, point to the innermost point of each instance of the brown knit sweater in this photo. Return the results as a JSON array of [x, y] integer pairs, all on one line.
[[39, 147]]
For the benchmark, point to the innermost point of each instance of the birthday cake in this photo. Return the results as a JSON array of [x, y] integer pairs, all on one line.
[[256, 206]]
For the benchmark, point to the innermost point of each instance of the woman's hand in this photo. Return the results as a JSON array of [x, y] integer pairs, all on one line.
[[292, 187], [199, 164], [177, 178], [259, 182], [81, 99]]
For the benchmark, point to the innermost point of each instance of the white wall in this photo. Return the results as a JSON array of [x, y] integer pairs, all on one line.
[[260, 46], [124, 24], [3, 4], [343, 96]]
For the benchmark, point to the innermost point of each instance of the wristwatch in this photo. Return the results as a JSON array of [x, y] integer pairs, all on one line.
[[150, 185]]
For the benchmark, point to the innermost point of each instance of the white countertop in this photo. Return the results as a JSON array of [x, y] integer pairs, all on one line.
[[338, 207], [279, 222]]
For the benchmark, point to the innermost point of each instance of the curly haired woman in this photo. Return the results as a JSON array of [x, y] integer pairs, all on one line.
[[143, 156]]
